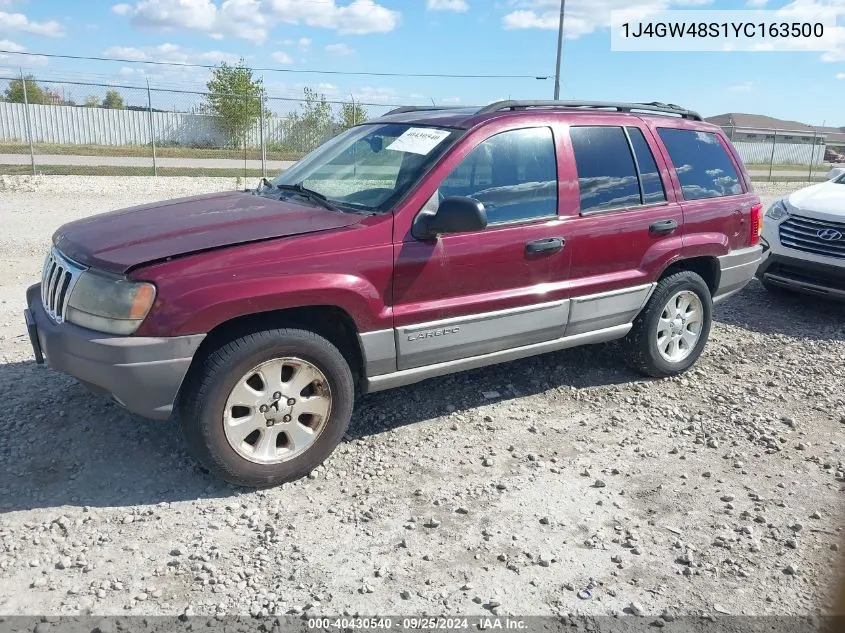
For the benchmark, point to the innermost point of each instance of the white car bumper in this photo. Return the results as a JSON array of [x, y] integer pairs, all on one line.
[[798, 256]]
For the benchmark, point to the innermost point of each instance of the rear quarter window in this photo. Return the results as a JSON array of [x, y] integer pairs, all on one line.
[[704, 168]]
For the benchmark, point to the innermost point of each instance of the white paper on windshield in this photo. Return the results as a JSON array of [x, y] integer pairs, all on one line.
[[418, 140]]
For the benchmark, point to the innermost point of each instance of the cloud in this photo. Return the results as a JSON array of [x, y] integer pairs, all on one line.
[[170, 53], [8, 45], [253, 19], [19, 22], [359, 17], [458, 6], [811, 10], [14, 47], [377, 95], [131, 71], [747, 86], [304, 42], [583, 16], [281, 57], [840, 75], [757, 4], [340, 50]]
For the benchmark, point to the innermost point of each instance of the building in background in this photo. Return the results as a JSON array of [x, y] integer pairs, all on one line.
[[764, 140], [835, 141]]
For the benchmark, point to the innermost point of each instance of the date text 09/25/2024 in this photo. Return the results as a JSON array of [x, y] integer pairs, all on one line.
[[482, 623]]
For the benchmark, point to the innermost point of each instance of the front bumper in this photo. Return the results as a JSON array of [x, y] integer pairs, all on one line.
[[805, 276], [143, 374]]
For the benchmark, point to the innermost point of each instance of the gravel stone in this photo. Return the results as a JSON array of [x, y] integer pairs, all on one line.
[[635, 608], [113, 508]]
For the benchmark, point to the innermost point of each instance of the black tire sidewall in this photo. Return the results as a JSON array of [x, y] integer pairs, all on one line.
[[203, 421], [665, 290]]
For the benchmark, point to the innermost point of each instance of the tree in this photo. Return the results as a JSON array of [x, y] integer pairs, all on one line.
[[113, 100], [351, 114], [92, 101], [235, 99], [311, 125], [34, 92]]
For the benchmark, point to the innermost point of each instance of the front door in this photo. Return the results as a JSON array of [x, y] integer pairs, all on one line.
[[470, 294]]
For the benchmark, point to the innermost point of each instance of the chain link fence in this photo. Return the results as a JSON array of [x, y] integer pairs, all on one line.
[[788, 155], [68, 127], [71, 127]]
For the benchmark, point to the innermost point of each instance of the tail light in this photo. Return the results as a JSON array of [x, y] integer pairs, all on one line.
[[756, 224]]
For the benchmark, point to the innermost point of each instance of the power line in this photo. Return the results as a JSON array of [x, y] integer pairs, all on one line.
[[273, 70], [197, 92]]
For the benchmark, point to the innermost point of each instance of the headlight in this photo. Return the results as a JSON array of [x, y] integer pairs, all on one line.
[[777, 211], [109, 304]]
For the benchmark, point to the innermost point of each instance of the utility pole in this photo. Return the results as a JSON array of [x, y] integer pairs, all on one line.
[[559, 49]]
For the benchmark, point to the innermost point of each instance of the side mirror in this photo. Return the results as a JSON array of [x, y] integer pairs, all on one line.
[[835, 173], [455, 214]]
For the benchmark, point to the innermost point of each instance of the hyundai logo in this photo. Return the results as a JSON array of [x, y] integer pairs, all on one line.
[[829, 235]]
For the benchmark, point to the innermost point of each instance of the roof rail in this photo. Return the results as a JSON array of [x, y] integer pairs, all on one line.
[[404, 109], [598, 105]]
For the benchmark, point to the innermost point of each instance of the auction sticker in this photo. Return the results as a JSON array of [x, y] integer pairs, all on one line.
[[418, 140]]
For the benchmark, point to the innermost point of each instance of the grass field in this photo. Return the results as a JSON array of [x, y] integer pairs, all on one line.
[[144, 150]]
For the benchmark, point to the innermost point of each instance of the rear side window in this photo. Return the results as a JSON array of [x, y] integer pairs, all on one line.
[[513, 173], [607, 176], [703, 166]]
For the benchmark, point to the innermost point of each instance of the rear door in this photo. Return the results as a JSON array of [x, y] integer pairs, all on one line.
[[470, 294], [626, 225], [716, 201]]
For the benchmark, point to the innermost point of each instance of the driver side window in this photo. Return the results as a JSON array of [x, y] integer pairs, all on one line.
[[513, 174]]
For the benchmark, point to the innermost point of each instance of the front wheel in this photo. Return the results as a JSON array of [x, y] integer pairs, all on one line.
[[670, 333], [268, 407]]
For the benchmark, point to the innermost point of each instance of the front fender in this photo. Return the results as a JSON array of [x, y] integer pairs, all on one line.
[[200, 309]]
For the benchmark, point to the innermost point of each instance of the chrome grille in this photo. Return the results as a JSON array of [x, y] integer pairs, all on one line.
[[57, 281], [805, 234]]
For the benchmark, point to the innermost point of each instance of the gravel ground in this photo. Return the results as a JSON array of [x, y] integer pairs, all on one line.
[[558, 484]]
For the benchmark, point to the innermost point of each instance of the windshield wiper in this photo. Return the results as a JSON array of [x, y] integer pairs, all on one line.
[[316, 196]]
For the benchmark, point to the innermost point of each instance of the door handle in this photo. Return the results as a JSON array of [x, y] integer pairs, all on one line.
[[663, 227], [547, 245]]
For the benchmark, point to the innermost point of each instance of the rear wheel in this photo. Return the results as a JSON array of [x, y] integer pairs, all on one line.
[[670, 333], [268, 407]]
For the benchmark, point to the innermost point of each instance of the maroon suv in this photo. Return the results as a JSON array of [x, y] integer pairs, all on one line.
[[425, 242]]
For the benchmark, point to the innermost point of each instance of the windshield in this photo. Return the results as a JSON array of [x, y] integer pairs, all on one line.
[[370, 166]]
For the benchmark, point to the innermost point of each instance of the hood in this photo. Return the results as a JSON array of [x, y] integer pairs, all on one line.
[[825, 201], [120, 240]]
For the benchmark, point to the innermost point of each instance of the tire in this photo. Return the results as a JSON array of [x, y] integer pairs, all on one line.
[[642, 346], [210, 422]]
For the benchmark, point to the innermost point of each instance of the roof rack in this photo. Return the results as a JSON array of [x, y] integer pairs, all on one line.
[[654, 106], [403, 109]]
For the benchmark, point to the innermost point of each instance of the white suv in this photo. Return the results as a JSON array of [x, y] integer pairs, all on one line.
[[804, 240]]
